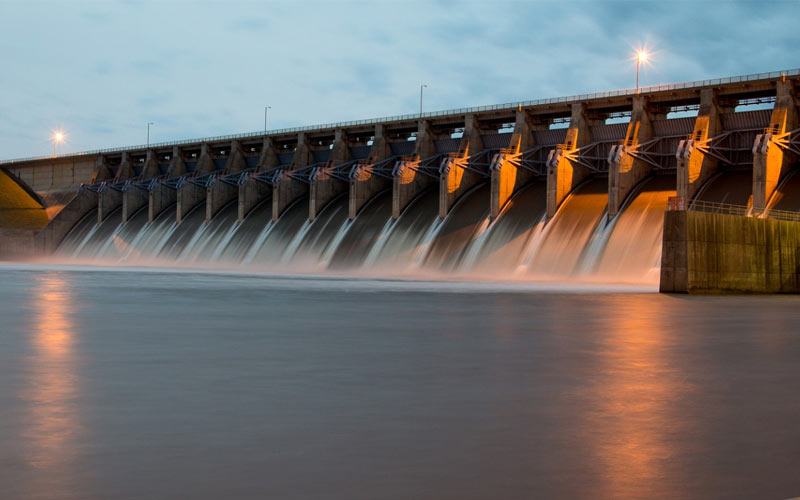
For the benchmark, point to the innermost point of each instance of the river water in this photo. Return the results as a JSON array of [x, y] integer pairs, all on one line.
[[144, 383]]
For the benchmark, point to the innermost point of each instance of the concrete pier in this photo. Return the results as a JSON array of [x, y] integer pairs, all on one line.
[[186, 198], [772, 155], [410, 175], [108, 200], [507, 174], [133, 199], [220, 192], [695, 167], [289, 185], [455, 176], [625, 171], [563, 175], [365, 183], [324, 187], [159, 198], [252, 191]]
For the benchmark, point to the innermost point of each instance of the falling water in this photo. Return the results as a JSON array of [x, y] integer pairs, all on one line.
[[566, 236], [578, 243], [459, 229], [500, 248]]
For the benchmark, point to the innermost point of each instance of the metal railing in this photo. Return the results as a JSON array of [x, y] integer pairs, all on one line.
[[433, 114], [675, 203]]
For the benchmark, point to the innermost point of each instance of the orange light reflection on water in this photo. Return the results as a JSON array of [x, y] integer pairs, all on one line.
[[53, 416], [635, 396]]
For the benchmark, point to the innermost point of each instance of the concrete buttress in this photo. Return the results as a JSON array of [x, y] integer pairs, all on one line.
[[252, 192], [506, 177], [220, 193], [564, 175], [455, 178], [624, 170], [694, 166], [324, 185], [365, 183], [408, 181], [287, 189], [771, 159]]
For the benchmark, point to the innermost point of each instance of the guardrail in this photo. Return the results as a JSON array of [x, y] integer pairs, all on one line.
[[434, 114], [675, 204]]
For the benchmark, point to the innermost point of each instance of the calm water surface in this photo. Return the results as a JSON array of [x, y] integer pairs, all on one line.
[[146, 384]]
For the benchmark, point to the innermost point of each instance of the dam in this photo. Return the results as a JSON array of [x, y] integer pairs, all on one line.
[[568, 188]]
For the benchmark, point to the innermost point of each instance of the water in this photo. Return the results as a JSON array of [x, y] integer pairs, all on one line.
[[579, 244], [144, 383], [568, 234]]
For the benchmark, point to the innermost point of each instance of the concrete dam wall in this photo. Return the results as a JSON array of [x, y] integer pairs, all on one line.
[[567, 188], [712, 253]]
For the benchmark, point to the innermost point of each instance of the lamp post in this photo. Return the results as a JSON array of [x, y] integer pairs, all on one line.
[[420, 100], [149, 124], [641, 57], [57, 137], [265, 118]]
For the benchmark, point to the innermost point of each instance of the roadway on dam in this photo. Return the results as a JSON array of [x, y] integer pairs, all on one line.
[[147, 383]]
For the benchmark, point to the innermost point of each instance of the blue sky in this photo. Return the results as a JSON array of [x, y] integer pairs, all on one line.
[[100, 70]]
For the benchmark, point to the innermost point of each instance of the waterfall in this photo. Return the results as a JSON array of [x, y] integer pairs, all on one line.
[[578, 243]]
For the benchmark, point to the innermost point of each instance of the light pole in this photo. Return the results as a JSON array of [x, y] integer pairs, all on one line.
[[640, 58], [265, 118], [420, 100], [57, 137], [148, 133]]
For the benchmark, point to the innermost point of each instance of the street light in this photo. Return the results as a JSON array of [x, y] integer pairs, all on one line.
[[641, 57], [58, 136], [420, 99], [265, 118], [148, 133]]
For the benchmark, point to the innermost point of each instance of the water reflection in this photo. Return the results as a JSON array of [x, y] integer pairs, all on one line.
[[53, 382], [635, 396]]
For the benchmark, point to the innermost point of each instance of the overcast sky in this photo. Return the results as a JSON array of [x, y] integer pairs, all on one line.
[[100, 70]]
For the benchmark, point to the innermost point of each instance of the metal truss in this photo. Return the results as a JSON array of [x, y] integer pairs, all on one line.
[[383, 168], [658, 152], [593, 156], [787, 141], [731, 148], [428, 166]]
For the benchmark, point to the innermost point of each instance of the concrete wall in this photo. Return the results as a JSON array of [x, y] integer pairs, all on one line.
[[55, 174], [714, 253], [49, 238], [17, 244]]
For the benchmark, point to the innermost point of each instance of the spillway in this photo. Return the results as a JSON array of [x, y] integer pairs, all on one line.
[[579, 243]]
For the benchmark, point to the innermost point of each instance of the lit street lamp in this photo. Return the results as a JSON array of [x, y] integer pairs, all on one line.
[[57, 137], [641, 57], [149, 124], [420, 99]]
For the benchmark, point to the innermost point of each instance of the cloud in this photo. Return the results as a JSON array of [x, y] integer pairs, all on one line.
[[106, 69]]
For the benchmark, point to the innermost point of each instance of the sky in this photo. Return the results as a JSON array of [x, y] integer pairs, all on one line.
[[101, 70]]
